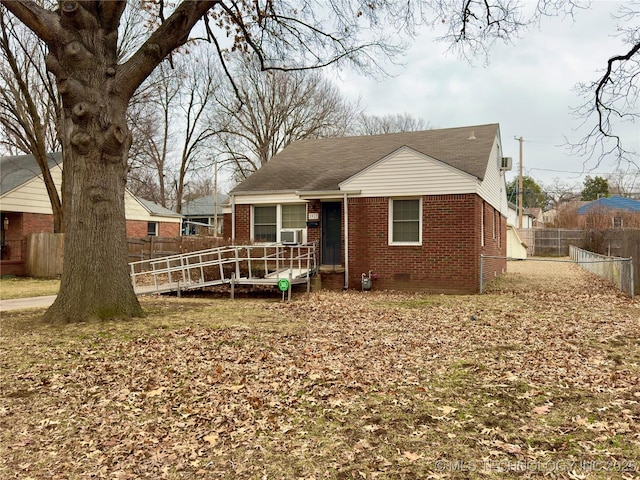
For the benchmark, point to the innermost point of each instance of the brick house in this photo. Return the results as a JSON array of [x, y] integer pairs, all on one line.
[[25, 209], [415, 209]]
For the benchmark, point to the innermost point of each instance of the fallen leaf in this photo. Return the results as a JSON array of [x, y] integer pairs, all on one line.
[[542, 409], [212, 439], [156, 392], [411, 456], [447, 410]]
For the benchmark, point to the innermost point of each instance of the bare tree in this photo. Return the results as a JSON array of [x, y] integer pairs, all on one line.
[[266, 112], [29, 105], [172, 127], [197, 127], [150, 119], [559, 193], [625, 182], [612, 99], [401, 122]]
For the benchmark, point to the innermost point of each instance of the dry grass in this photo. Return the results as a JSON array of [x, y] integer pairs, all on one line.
[[519, 383], [21, 287]]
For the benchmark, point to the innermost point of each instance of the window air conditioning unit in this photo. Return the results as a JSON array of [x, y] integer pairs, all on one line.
[[291, 237], [506, 163]]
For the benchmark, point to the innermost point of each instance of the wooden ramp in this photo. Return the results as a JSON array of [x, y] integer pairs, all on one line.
[[230, 265]]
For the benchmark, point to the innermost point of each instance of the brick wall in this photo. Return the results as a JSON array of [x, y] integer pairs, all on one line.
[[36, 223], [138, 229], [448, 261], [243, 224]]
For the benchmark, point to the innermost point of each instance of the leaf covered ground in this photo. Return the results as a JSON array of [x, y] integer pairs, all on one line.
[[540, 377]]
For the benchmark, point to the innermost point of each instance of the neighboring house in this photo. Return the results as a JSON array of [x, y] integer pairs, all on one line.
[[415, 209], [610, 212], [201, 214], [528, 219], [25, 208]]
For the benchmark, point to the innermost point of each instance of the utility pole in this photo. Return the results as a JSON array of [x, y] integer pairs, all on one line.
[[520, 139], [215, 197]]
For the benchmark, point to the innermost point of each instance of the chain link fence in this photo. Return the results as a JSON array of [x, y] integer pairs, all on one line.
[[616, 270]]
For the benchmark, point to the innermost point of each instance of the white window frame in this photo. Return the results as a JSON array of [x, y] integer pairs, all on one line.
[[253, 221], [390, 238], [482, 225], [279, 227], [155, 229]]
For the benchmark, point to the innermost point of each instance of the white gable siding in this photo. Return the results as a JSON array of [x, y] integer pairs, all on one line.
[[493, 189], [407, 172], [134, 210], [31, 197]]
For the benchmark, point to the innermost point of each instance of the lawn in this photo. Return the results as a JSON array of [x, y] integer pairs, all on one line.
[[22, 287], [538, 377]]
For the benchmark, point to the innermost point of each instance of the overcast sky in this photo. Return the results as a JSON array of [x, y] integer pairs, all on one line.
[[527, 88]]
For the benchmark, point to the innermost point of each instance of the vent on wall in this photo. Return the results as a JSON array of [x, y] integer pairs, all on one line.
[[506, 163]]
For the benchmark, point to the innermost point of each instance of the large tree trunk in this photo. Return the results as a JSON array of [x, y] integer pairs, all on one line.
[[95, 278], [95, 140]]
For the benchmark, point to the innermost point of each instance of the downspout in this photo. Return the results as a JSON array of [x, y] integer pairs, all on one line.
[[346, 243], [233, 219]]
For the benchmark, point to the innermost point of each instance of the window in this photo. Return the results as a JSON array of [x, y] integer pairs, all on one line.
[[264, 224], [405, 222], [294, 216], [482, 225], [494, 224], [152, 229], [617, 222], [269, 221]]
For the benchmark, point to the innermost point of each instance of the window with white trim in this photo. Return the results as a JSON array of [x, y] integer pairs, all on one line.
[[269, 220], [265, 225], [294, 216], [152, 229], [405, 221]]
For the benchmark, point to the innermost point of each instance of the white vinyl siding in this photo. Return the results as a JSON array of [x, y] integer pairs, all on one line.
[[407, 172], [31, 197], [405, 221], [493, 188]]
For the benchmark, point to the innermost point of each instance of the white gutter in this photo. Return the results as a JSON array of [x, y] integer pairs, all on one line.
[[324, 194], [346, 242]]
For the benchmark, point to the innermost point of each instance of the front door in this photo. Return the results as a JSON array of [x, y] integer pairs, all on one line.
[[332, 233]]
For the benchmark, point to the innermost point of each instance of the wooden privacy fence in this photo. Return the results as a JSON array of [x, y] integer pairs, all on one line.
[[155, 247], [45, 252]]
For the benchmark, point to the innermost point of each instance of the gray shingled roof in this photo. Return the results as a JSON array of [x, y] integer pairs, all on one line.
[[155, 209], [320, 165], [203, 206], [19, 169]]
